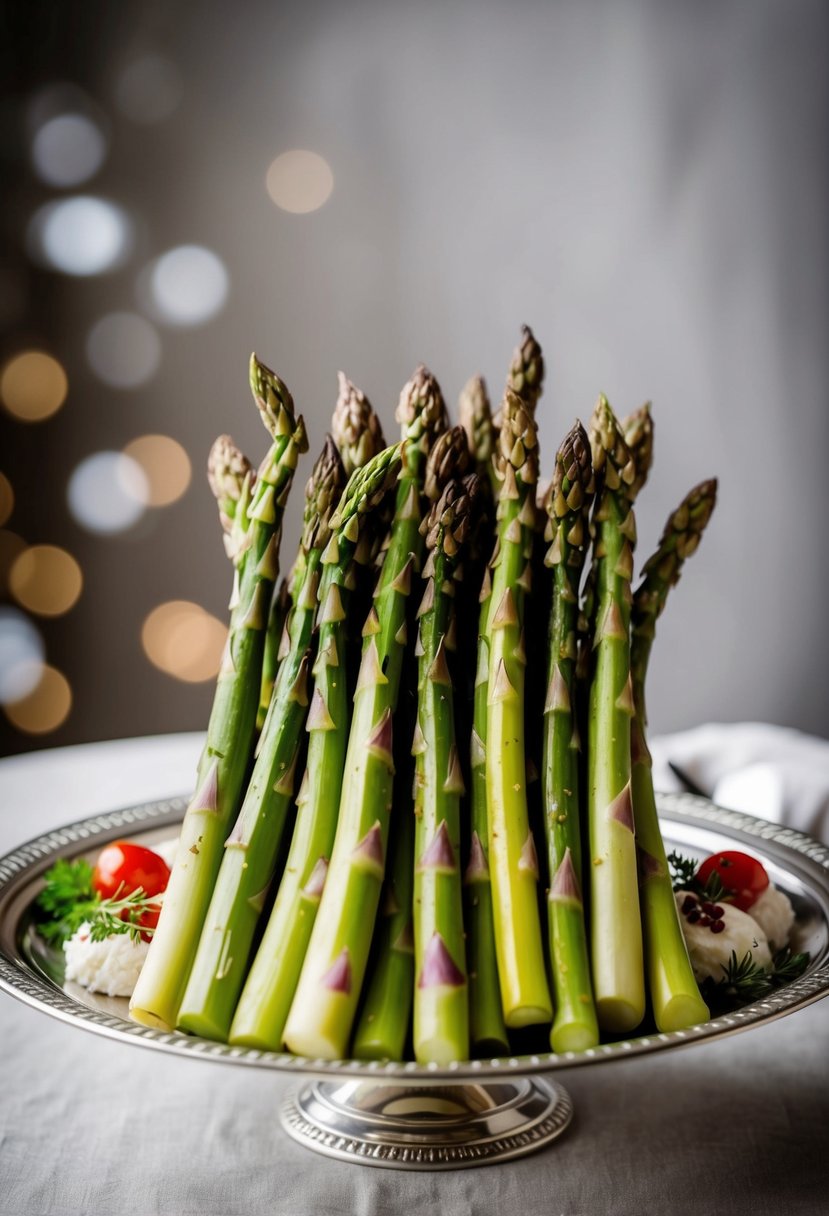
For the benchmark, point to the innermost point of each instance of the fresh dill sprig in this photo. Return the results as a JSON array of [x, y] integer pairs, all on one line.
[[68, 900]]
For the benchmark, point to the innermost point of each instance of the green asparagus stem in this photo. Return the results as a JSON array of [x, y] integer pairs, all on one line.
[[568, 506], [637, 430], [228, 470], [277, 620], [355, 426], [525, 994], [441, 1013], [488, 1034], [385, 1014], [322, 1013], [266, 998], [616, 935], [526, 373], [224, 763], [674, 994], [247, 868], [475, 415]]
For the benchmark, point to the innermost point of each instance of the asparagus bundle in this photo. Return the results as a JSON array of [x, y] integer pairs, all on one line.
[[223, 766], [263, 1007], [385, 1014], [674, 994], [568, 508], [525, 994], [250, 854], [616, 936], [321, 1017]]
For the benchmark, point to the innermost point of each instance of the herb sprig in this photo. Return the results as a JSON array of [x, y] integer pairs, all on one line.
[[744, 980], [684, 878], [69, 900]]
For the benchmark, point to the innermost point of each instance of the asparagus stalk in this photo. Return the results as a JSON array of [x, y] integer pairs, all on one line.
[[674, 994], [263, 1007], [250, 855], [637, 429], [475, 415], [568, 507], [355, 427], [616, 935], [322, 1013], [384, 1017], [525, 994], [486, 1019], [277, 619], [224, 762], [441, 1013]]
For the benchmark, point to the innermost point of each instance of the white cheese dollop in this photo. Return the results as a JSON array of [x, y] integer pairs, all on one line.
[[774, 914], [710, 952], [110, 966]]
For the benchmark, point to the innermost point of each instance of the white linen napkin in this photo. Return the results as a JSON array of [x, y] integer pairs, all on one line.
[[772, 772]]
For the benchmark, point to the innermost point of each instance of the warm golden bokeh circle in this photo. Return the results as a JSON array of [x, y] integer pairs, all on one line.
[[299, 181], [165, 464], [46, 707], [6, 498], [46, 580], [33, 386], [183, 640]]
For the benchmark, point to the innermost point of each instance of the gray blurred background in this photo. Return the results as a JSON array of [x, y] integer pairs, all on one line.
[[645, 184]]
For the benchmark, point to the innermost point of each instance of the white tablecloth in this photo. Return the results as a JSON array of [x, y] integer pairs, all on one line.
[[97, 1128]]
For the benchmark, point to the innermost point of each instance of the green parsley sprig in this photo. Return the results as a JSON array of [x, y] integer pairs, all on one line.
[[68, 900], [684, 878]]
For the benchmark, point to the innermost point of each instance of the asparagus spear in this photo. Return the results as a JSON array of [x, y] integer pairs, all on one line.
[[263, 1007], [247, 868], [674, 994], [525, 994], [224, 762], [384, 1017], [441, 1014], [568, 507], [637, 429], [616, 936], [355, 426], [526, 373], [322, 1013], [475, 415], [277, 620]]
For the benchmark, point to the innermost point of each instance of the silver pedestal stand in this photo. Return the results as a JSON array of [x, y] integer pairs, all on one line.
[[438, 1126]]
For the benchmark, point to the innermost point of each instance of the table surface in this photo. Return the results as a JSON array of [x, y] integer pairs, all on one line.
[[94, 1127]]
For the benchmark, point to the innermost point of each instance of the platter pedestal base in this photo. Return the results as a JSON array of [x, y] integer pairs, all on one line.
[[431, 1126]]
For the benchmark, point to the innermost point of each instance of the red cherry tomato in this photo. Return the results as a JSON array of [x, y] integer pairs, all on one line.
[[123, 867], [743, 878]]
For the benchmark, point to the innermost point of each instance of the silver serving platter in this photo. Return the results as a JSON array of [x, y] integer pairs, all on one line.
[[403, 1114]]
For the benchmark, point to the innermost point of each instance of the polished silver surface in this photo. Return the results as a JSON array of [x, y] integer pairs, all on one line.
[[442, 1126], [403, 1114]]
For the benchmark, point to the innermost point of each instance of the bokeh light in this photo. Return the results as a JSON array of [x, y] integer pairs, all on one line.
[[81, 235], [107, 492], [123, 349], [21, 655], [166, 466], [188, 285], [184, 641], [46, 580], [299, 181], [148, 89], [6, 498], [46, 707], [68, 150], [33, 386]]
